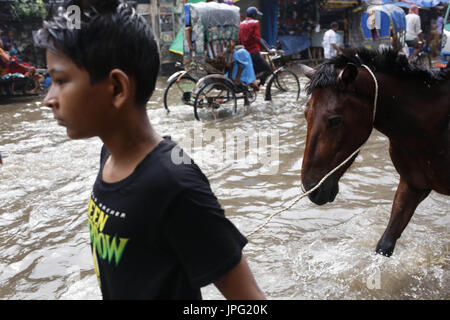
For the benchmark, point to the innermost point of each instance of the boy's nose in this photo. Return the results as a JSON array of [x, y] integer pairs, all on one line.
[[50, 100]]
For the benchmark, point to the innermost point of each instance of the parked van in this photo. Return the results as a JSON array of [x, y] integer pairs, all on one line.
[[445, 45]]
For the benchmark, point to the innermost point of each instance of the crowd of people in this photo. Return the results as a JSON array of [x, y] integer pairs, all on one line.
[[250, 39], [12, 67], [415, 36]]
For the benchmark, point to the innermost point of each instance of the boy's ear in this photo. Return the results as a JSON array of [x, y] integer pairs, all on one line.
[[121, 87]]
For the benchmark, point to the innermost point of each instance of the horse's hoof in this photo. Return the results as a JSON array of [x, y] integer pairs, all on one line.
[[384, 253], [385, 249]]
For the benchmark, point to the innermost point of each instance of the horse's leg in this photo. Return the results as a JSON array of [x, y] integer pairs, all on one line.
[[406, 200]]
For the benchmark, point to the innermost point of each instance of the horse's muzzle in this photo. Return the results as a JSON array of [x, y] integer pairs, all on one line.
[[325, 193]]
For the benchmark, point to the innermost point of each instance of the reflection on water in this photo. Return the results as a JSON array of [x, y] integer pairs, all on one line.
[[307, 252]]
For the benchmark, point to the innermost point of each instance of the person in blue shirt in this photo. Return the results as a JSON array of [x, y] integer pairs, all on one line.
[[242, 69], [47, 82]]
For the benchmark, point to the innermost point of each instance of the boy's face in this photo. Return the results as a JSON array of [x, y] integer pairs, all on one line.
[[77, 105]]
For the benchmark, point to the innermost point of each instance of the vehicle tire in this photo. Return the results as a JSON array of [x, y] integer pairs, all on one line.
[[283, 81], [179, 91], [215, 96]]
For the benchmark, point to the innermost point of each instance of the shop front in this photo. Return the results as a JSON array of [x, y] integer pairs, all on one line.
[[297, 26]]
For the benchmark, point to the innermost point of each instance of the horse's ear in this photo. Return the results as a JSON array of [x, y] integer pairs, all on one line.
[[348, 74], [307, 71]]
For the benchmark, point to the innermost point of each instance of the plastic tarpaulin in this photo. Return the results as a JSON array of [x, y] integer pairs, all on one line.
[[177, 45], [385, 15], [211, 15], [408, 3], [426, 3], [294, 44], [270, 22], [217, 14], [212, 22], [419, 3]]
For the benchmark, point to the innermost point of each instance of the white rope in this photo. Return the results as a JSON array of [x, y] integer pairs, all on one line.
[[375, 100], [301, 196]]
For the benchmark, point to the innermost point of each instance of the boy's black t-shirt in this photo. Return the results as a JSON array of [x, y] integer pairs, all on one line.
[[160, 233]]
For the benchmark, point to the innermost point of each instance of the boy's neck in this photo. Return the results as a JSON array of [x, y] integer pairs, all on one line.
[[131, 139]]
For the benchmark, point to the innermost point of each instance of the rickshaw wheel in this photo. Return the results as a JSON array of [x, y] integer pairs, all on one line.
[[251, 94], [179, 91], [283, 81], [215, 96]]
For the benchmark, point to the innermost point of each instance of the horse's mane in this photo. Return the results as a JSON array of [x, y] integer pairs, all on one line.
[[386, 61]]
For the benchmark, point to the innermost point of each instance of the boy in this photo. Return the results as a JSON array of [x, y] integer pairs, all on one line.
[[157, 230]]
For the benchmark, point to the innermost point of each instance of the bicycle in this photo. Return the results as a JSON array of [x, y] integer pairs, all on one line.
[[282, 80], [214, 91]]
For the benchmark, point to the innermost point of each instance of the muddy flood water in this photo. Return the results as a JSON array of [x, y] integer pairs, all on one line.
[[307, 252]]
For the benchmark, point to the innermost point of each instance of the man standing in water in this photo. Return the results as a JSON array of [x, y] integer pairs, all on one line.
[[330, 42], [157, 230]]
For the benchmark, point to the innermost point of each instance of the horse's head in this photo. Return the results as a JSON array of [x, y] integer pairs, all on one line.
[[339, 116]]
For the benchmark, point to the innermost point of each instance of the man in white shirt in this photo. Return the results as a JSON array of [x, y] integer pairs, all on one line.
[[330, 47], [413, 30]]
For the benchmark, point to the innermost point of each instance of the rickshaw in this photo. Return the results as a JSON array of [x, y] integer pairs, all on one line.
[[384, 26], [205, 83]]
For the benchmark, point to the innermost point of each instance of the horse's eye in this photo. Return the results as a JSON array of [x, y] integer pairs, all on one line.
[[333, 122]]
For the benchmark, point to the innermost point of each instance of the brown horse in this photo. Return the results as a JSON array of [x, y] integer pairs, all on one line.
[[412, 108]]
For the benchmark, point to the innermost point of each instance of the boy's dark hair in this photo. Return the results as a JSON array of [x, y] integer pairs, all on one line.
[[111, 35]]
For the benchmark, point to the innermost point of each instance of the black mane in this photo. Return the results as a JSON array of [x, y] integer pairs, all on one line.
[[386, 61]]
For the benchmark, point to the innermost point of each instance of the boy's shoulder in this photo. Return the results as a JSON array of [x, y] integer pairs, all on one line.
[[178, 165], [167, 165]]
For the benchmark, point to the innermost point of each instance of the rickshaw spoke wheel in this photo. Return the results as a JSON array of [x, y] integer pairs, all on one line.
[[217, 96], [251, 94], [179, 92], [285, 81]]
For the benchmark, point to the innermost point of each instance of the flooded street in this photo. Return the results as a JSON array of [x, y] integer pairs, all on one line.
[[307, 252]]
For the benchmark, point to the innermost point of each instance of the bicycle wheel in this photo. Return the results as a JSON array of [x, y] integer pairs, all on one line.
[[251, 94], [215, 97], [283, 81], [423, 59], [179, 91]]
